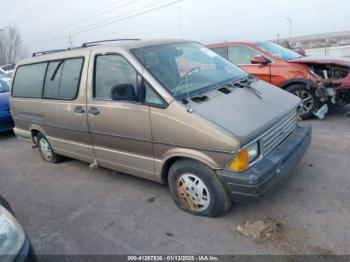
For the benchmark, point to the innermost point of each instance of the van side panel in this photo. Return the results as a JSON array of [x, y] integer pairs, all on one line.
[[178, 133], [121, 135], [65, 129], [121, 130]]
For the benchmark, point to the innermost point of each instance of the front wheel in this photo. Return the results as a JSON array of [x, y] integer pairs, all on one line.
[[310, 102], [196, 189]]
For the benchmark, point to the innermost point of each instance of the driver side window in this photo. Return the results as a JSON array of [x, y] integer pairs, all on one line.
[[240, 55], [115, 78]]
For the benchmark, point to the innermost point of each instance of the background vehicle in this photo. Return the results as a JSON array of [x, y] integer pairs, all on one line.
[[7, 70], [14, 243], [6, 122], [168, 111], [319, 82]]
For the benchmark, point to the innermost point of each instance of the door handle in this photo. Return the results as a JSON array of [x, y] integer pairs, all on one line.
[[93, 111], [79, 109]]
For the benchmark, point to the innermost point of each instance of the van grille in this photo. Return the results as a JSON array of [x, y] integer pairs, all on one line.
[[275, 136]]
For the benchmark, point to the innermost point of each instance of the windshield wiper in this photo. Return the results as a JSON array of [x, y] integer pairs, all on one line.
[[245, 82]]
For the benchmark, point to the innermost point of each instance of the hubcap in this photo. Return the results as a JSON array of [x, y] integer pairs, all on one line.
[[307, 102], [45, 149], [193, 192]]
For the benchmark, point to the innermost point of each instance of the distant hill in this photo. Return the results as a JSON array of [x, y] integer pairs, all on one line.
[[341, 34], [318, 40]]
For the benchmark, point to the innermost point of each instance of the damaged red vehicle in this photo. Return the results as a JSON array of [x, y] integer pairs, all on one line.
[[321, 82]]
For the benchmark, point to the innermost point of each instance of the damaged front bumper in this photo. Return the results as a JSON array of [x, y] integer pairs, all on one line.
[[328, 95], [270, 170]]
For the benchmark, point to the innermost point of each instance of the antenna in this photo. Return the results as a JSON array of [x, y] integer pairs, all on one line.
[[189, 109]]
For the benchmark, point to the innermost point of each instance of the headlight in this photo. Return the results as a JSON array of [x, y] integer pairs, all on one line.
[[244, 156], [252, 151], [12, 236]]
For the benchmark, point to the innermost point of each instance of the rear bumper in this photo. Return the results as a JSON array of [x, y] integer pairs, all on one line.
[[6, 122], [269, 171]]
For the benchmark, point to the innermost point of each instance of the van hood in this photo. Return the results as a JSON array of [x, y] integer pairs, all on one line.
[[244, 114], [4, 101]]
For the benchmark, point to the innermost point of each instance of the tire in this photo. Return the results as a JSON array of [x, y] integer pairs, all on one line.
[[46, 151], [308, 97], [197, 190]]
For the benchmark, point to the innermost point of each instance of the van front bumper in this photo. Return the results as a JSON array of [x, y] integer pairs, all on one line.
[[270, 170]]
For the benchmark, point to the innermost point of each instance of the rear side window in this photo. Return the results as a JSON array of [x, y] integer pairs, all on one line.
[[241, 55], [220, 51], [29, 80], [53, 77], [63, 78]]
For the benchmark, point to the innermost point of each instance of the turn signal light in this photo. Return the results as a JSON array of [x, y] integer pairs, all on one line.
[[240, 162]]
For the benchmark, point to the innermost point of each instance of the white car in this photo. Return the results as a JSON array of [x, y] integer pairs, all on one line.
[[7, 70]]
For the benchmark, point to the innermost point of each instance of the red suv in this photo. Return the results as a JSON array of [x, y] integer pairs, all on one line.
[[319, 81]]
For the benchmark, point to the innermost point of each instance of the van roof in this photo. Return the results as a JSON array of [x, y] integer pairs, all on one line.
[[125, 44]]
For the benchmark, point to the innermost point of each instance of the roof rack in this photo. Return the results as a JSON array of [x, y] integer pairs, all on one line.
[[48, 52], [83, 45], [110, 40], [53, 51]]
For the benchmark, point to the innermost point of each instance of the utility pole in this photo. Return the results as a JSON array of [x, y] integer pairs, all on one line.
[[290, 26], [278, 38], [70, 41]]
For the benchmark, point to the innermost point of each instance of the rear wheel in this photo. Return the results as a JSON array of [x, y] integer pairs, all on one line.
[[196, 189], [46, 151], [310, 102]]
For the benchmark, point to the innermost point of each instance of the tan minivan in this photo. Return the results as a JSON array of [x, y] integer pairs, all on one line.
[[169, 111]]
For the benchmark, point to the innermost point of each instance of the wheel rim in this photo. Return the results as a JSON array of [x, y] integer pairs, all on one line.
[[192, 192], [307, 102], [45, 149]]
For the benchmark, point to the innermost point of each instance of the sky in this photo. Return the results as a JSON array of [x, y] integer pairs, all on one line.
[[56, 24]]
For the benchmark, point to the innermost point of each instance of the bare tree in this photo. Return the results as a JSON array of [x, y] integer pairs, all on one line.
[[10, 45]]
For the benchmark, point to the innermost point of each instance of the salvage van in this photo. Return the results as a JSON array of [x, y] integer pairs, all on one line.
[[169, 111]]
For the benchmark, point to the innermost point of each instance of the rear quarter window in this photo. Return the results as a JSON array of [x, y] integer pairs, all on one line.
[[29, 80]]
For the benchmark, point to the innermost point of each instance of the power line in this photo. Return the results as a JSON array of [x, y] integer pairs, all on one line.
[[108, 22], [90, 28], [83, 19], [86, 26], [37, 11], [48, 10], [41, 7]]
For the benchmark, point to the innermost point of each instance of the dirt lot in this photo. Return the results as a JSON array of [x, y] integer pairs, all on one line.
[[68, 209]]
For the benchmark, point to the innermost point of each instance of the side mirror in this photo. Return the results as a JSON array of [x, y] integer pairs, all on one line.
[[124, 92], [259, 60]]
